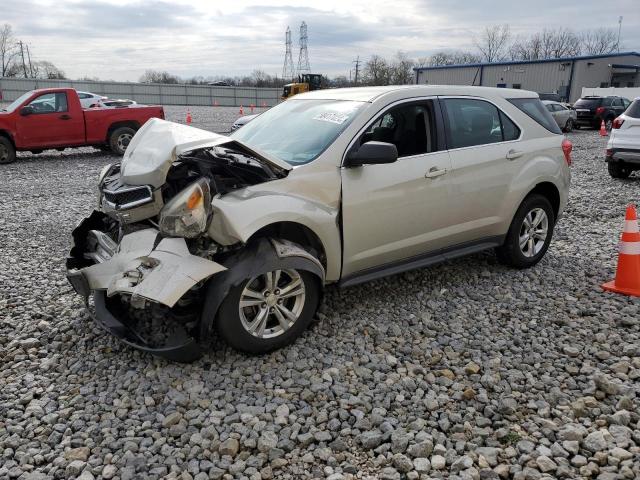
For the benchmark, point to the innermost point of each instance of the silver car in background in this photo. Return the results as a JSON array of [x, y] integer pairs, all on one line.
[[564, 116]]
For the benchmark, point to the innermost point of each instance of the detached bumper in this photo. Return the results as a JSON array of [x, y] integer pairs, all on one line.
[[145, 269]]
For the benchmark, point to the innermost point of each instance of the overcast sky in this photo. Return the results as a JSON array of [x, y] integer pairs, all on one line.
[[119, 39]]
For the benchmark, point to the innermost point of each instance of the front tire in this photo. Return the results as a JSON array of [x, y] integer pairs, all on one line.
[[7, 151], [617, 170], [120, 138], [530, 233], [268, 311]]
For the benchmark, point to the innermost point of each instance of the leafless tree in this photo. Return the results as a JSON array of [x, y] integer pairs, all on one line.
[[400, 69], [558, 43], [155, 76], [44, 69], [376, 71], [493, 43], [456, 57], [599, 41], [8, 49]]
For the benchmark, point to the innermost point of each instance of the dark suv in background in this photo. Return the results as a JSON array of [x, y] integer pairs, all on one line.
[[592, 110]]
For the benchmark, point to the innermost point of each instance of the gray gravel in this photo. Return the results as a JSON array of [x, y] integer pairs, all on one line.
[[466, 370]]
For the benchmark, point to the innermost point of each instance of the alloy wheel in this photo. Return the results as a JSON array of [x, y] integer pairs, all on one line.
[[271, 303], [533, 232]]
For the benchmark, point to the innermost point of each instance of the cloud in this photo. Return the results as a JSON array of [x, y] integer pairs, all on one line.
[[119, 39]]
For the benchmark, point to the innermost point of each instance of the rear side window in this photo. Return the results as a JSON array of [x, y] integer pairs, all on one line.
[[634, 109], [472, 122], [535, 109], [587, 103]]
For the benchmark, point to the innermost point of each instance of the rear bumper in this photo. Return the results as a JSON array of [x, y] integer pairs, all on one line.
[[624, 155]]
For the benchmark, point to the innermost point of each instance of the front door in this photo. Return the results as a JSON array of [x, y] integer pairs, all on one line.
[[51, 123], [396, 211]]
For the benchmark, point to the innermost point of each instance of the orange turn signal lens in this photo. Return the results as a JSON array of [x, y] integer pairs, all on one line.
[[195, 199]]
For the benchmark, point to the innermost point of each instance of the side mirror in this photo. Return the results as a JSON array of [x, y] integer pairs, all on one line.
[[371, 153], [24, 111]]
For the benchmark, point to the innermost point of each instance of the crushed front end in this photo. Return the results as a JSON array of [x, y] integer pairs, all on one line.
[[144, 255]]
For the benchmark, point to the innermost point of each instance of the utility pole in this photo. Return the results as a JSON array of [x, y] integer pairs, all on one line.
[[24, 65], [30, 65], [619, 28], [357, 62]]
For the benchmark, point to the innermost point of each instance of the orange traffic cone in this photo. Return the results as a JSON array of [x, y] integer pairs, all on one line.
[[251, 107], [603, 130], [188, 117], [241, 112], [264, 104], [215, 103], [627, 279]]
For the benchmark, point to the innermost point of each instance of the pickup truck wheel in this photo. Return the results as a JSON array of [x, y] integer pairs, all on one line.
[[120, 138], [7, 151], [530, 233], [268, 311], [617, 170]]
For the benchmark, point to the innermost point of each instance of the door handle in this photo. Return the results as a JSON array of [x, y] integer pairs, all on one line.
[[513, 154], [435, 172], [65, 117]]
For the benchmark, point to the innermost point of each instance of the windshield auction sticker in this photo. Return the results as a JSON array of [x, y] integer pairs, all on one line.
[[332, 117]]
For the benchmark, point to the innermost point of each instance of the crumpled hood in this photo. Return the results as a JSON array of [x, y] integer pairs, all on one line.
[[158, 144]]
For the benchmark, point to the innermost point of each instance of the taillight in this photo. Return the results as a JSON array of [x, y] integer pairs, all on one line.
[[567, 146], [617, 123], [599, 110]]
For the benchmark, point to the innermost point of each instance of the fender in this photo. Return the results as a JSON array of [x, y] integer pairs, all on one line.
[[233, 222], [543, 168]]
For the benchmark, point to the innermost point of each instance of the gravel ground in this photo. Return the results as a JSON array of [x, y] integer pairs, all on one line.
[[465, 370]]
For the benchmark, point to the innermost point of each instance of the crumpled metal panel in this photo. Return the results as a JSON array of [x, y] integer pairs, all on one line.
[[162, 274]]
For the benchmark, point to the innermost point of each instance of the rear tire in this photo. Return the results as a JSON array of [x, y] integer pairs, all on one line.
[[120, 138], [616, 170], [234, 324], [568, 126], [7, 151], [530, 233]]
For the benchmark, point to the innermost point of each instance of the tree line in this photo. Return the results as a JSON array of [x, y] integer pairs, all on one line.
[[15, 59]]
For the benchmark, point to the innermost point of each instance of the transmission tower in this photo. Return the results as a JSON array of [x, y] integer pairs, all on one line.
[[303, 58], [287, 69]]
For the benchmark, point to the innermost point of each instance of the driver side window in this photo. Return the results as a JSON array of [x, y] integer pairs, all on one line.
[[49, 103], [410, 127]]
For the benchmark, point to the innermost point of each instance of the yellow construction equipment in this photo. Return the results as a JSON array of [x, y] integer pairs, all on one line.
[[306, 83]]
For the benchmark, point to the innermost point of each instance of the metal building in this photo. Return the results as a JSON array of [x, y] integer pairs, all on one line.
[[565, 76]]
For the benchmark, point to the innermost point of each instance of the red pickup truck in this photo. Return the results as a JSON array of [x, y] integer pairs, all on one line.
[[54, 118]]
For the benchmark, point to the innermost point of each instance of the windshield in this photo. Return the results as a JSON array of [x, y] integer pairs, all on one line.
[[17, 102], [298, 131]]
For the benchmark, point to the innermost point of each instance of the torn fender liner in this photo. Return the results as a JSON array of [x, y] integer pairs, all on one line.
[[183, 347], [162, 274], [263, 256]]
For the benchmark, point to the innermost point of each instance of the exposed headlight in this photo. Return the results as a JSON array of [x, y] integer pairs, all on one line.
[[187, 213]]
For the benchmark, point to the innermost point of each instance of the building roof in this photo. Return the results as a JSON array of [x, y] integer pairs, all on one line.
[[369, 94], [524, 62]]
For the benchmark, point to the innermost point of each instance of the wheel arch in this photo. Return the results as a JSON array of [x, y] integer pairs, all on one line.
[[297, 233], [8, 136], [551, 192], [128, 123]]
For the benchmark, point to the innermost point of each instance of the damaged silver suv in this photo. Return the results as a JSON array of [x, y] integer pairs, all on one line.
[[197, 232]]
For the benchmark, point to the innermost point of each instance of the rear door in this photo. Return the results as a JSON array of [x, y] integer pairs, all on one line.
[[397, 211], [485, 156], [51, 123]]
